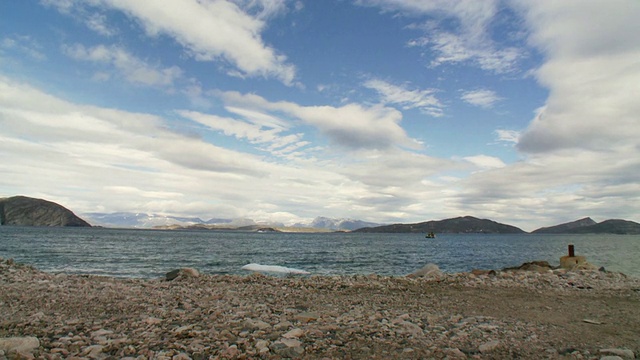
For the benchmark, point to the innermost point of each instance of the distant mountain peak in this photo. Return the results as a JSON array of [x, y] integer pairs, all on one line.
[[322, 222]]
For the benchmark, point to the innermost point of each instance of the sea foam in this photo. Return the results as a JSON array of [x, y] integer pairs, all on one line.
[[273, 269]]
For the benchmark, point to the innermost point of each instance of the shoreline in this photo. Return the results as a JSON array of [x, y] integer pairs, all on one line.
[[522, 314]]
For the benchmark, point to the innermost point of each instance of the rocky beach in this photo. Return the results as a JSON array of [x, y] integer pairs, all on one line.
[[528, 313]]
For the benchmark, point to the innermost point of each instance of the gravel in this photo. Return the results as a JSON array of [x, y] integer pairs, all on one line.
[[555, 314]]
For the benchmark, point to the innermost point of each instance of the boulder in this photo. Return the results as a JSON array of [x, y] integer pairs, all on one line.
[[19, 344], [184, 273], [537, 266]]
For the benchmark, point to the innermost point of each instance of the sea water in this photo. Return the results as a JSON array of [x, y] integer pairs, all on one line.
[[151, 253]]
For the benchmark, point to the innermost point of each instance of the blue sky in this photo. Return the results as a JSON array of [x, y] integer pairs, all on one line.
[[524, 112]]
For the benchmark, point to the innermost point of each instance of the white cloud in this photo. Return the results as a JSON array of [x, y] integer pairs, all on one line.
[[591, 72], [468, 42], [22, 44], [98, 159], [98, 23], [352, 125], [130, 67], [510, 136], [485, 161], [210, 31], [483, 98], [424, 100], [228, 30], [270, 136]]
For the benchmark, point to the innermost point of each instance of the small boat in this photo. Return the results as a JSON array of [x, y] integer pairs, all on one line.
[[430, 235]]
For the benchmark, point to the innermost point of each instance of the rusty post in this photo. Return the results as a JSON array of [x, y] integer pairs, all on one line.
[[571, 251]]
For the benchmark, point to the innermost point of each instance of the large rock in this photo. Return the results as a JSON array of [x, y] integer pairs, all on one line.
[[19, 344], [182, 273], [26, 211], [536, 266]]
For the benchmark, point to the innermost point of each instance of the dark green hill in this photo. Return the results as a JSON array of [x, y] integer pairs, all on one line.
[[466, 224], [26, 211], [614, 226], [566, 227], [588, 226]]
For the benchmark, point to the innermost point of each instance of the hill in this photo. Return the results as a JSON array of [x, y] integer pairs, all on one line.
[[588, 226], [26, 211], [613, 226], [566, 227], [466, 224]]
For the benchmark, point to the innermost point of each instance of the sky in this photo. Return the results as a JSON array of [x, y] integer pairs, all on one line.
[[389, 111]]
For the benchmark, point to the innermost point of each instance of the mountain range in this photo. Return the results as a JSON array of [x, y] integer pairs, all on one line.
[[26, 211]]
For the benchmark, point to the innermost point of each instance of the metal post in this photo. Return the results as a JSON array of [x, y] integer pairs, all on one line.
[[571, 251]]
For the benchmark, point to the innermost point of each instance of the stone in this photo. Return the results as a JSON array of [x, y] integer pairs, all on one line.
[[262, 344], [251, 324], [93, 351], [455, 353], [189, 272], [408, 328], [172, 275], [184, 272], [538, 266], [293, 334], [19, 344], [306, 317], [291, 342], [623, 353], [489, 346], [181, 356], [611, 357]]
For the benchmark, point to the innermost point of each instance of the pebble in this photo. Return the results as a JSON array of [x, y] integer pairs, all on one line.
[[199, 316]]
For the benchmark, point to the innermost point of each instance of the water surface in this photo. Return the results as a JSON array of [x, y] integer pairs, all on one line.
[[151, 253]]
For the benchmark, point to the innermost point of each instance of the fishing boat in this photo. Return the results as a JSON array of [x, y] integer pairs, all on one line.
[[430, 235]]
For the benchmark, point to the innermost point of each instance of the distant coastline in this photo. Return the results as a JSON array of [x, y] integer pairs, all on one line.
[[26, 211]]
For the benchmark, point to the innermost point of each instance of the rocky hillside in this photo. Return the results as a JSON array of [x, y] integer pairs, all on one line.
[[466, 224], [566, 227], [26, 211]]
